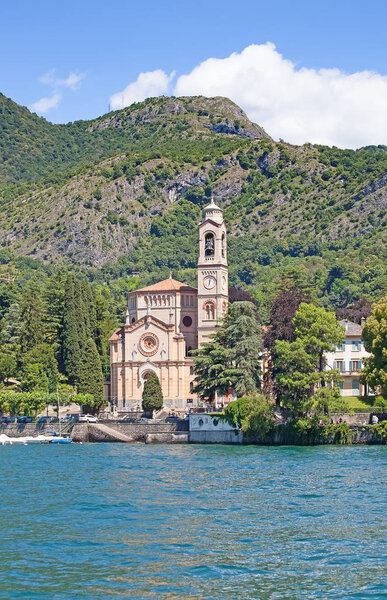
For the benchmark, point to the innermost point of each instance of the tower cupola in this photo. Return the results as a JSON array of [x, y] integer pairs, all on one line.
[[213, 212]]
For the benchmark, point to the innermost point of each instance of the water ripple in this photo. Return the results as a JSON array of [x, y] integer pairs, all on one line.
[[192, 522]]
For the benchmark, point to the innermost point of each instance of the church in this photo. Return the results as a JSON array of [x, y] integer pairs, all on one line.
[[167, 320]]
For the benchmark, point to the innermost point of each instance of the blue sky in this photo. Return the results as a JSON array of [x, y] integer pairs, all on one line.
[[79, 54]]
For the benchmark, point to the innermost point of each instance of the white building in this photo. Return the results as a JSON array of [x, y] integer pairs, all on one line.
[[348, 358]]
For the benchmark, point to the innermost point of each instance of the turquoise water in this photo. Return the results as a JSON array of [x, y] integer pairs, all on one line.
[[113, 521]]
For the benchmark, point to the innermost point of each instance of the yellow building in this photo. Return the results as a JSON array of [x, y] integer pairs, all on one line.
[[167, 320]]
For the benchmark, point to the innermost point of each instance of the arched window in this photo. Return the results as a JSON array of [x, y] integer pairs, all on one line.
[[223, 245], [133, 320], [191, 387], [209, 309], [209, 244]]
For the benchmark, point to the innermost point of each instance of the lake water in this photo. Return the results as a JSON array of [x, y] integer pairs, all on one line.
[[113, 521]]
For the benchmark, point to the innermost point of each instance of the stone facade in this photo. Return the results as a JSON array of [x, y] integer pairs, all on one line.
[[167, 320]]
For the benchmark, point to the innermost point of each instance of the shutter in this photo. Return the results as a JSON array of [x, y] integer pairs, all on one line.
[[360, 365], [343, 366], [334, 364]]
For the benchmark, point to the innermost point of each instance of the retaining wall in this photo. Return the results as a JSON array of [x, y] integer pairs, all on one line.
[[90, 432]]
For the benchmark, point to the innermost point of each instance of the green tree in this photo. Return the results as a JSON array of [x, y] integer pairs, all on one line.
[[319, 330], [71, 336], [7, 366], [300, 364], [375, 341], [152, 395], [34, 378], [43, 354], [231, 359], [90, 379], [252, 414], [12, 330], [33, 319], [242, 335]]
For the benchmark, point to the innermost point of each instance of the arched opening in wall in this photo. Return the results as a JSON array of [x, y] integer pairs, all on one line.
[[191, 370], [209, 310], [188, 350], [223, 245], [191, 386], [209, 244], [133, 320]]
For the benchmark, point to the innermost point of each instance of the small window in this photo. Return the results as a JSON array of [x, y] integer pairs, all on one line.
[[355, 387], [191, 387], [356, 346], [340, 347], [133, 320], [191, 370]]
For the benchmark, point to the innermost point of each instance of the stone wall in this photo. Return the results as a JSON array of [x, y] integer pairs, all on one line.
[[90, 432]]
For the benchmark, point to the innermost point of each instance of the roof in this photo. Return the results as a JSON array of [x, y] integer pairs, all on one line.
[[212, 206], [168, 285], [351, 328], [117, 334]]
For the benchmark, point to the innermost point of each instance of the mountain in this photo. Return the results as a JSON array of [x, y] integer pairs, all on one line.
[[124, 192]]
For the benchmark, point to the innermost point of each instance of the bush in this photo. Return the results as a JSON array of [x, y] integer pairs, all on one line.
[[253, 414], [327, 400]]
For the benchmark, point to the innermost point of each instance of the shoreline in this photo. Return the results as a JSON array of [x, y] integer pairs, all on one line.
[[178, 433]]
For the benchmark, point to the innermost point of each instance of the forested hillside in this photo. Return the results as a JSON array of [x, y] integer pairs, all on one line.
[[124, 192]]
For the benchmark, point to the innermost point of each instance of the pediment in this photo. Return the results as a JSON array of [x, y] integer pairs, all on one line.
[[212, 223], [145, 321]]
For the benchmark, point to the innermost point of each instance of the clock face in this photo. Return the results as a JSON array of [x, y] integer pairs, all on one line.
[[209, 282]]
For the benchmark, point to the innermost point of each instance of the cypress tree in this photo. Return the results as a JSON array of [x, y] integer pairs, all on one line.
[[90, 379], [71, 338], [152, 395]]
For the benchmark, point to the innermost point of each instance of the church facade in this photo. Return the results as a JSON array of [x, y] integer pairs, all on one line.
[[167, 320]]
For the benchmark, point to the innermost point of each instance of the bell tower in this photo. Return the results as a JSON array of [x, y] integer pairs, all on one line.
[[212, 271]]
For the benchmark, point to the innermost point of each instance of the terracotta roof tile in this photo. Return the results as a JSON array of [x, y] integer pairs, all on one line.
[[117, 334], [168, 285]]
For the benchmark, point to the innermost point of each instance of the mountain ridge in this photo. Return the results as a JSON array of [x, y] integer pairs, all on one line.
[[130, 194]]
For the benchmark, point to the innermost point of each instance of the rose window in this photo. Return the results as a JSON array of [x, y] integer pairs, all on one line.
[[148, 344]]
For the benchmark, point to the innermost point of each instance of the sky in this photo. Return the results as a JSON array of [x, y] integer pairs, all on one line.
[[307, 71]]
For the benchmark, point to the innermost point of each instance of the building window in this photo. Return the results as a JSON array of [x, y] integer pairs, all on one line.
[[191, 387], [339, 364], [340, 347], [209, 244], [209, 309], [191, 370], [223, 245], [133, 320], [355, 365], [355, 387], [356, 345]]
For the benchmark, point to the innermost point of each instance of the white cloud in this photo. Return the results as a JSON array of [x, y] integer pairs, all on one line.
[[152, 83], [72, 81], [300, 105], [45, 104]]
